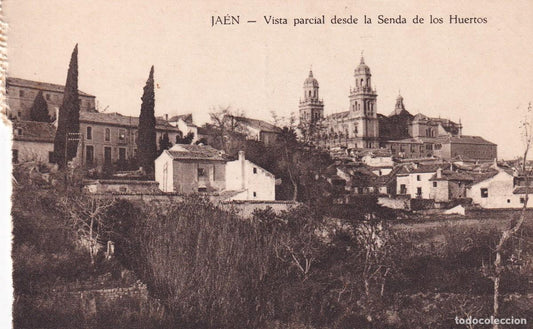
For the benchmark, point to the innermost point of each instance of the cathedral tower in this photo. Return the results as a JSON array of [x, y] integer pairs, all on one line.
[[363, 107], [311, 107]]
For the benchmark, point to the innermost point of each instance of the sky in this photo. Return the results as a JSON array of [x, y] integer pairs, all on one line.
[[481, 74]]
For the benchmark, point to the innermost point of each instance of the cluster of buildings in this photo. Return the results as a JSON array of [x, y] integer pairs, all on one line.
[[400, 156]]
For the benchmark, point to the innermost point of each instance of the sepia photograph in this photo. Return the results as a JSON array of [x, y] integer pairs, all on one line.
[[271, 165]]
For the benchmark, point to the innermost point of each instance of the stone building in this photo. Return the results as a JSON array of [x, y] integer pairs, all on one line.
[[110, 138], [252, 181], [21, 94]]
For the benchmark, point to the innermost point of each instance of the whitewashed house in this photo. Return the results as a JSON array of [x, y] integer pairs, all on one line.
[[498, 191], [253, 182], [416, 181], [33, 141]]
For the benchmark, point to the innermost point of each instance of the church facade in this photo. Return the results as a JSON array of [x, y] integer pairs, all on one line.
[[403, 134]]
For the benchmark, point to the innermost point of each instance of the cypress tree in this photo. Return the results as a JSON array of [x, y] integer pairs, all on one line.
[[69, 114], [39, 109], [146, 142]]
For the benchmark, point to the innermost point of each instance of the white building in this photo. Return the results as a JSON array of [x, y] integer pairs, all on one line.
[[33, 141], [416, 181], [255, 182], [498, 191]]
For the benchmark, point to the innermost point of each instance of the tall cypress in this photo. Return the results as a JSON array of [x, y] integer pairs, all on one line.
[[146, 142], [69, 115], [39, 109]]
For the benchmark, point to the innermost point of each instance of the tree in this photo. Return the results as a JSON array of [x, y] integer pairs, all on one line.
[[69, 116], [164, 143], [514, 226], [147, 143], [39, 109], [185, 140]]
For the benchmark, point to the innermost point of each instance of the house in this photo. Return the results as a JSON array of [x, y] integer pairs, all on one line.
[[415, 181], [21, 94], [190, 169], [184, 122], [33, 141], [254, 129], [448, 185], [110, 138], [254, 182], [498, 190]]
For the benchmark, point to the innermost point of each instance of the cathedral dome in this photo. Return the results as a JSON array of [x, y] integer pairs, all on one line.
[[362, 68], [311, 81]]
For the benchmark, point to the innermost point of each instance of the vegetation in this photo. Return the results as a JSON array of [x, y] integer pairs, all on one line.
[[146, 142], [39, 109], [65, 147]]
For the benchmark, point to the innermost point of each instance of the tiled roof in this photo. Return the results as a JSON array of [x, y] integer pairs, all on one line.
[[40, 85], [338, 115], [195, 152], [258, 124], [448, 175], [464, 140], [34, 131], [482, 176], [426, 168], [185, 117], [523, 190], [117, 119]]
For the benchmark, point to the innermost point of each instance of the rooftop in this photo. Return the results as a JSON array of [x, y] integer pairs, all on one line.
[[40, 86], [195, 152], [34, 131], [257, 124]]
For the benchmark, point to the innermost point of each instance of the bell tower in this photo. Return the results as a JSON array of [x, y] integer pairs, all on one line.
[[311, 107], [363, 107]]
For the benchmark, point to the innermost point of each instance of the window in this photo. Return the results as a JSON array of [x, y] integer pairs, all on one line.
[[107, 135], [15, 154], [255, 170], [214, 172], [51, 158], [484, 192], [21, 93], [508, 200], [201, 172], [419, 191], [438, 146], [89, 154], [89, 133], [121, 135], [418, 178], [47, 97], [403, 189], [428, 147], [434, 184], [522, 200], [255, 194], [19, 131]]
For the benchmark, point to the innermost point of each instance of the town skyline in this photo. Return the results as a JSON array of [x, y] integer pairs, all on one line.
[[476, 74]]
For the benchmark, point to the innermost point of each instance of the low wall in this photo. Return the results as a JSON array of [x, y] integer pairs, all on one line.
[[246, 208]]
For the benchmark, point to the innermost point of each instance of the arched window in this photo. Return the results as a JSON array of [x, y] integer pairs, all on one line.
[[107, 134], [309, 93]]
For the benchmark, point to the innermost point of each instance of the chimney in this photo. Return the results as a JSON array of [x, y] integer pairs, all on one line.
[[439, 173], [166, 116], [243, 169]]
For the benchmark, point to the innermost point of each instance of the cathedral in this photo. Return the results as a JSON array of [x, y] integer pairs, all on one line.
[[403, 134]]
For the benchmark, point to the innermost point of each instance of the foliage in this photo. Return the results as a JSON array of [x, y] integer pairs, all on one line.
[[39, 109], [187, 139], [146, 141], [69, 115], [164, 143]]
